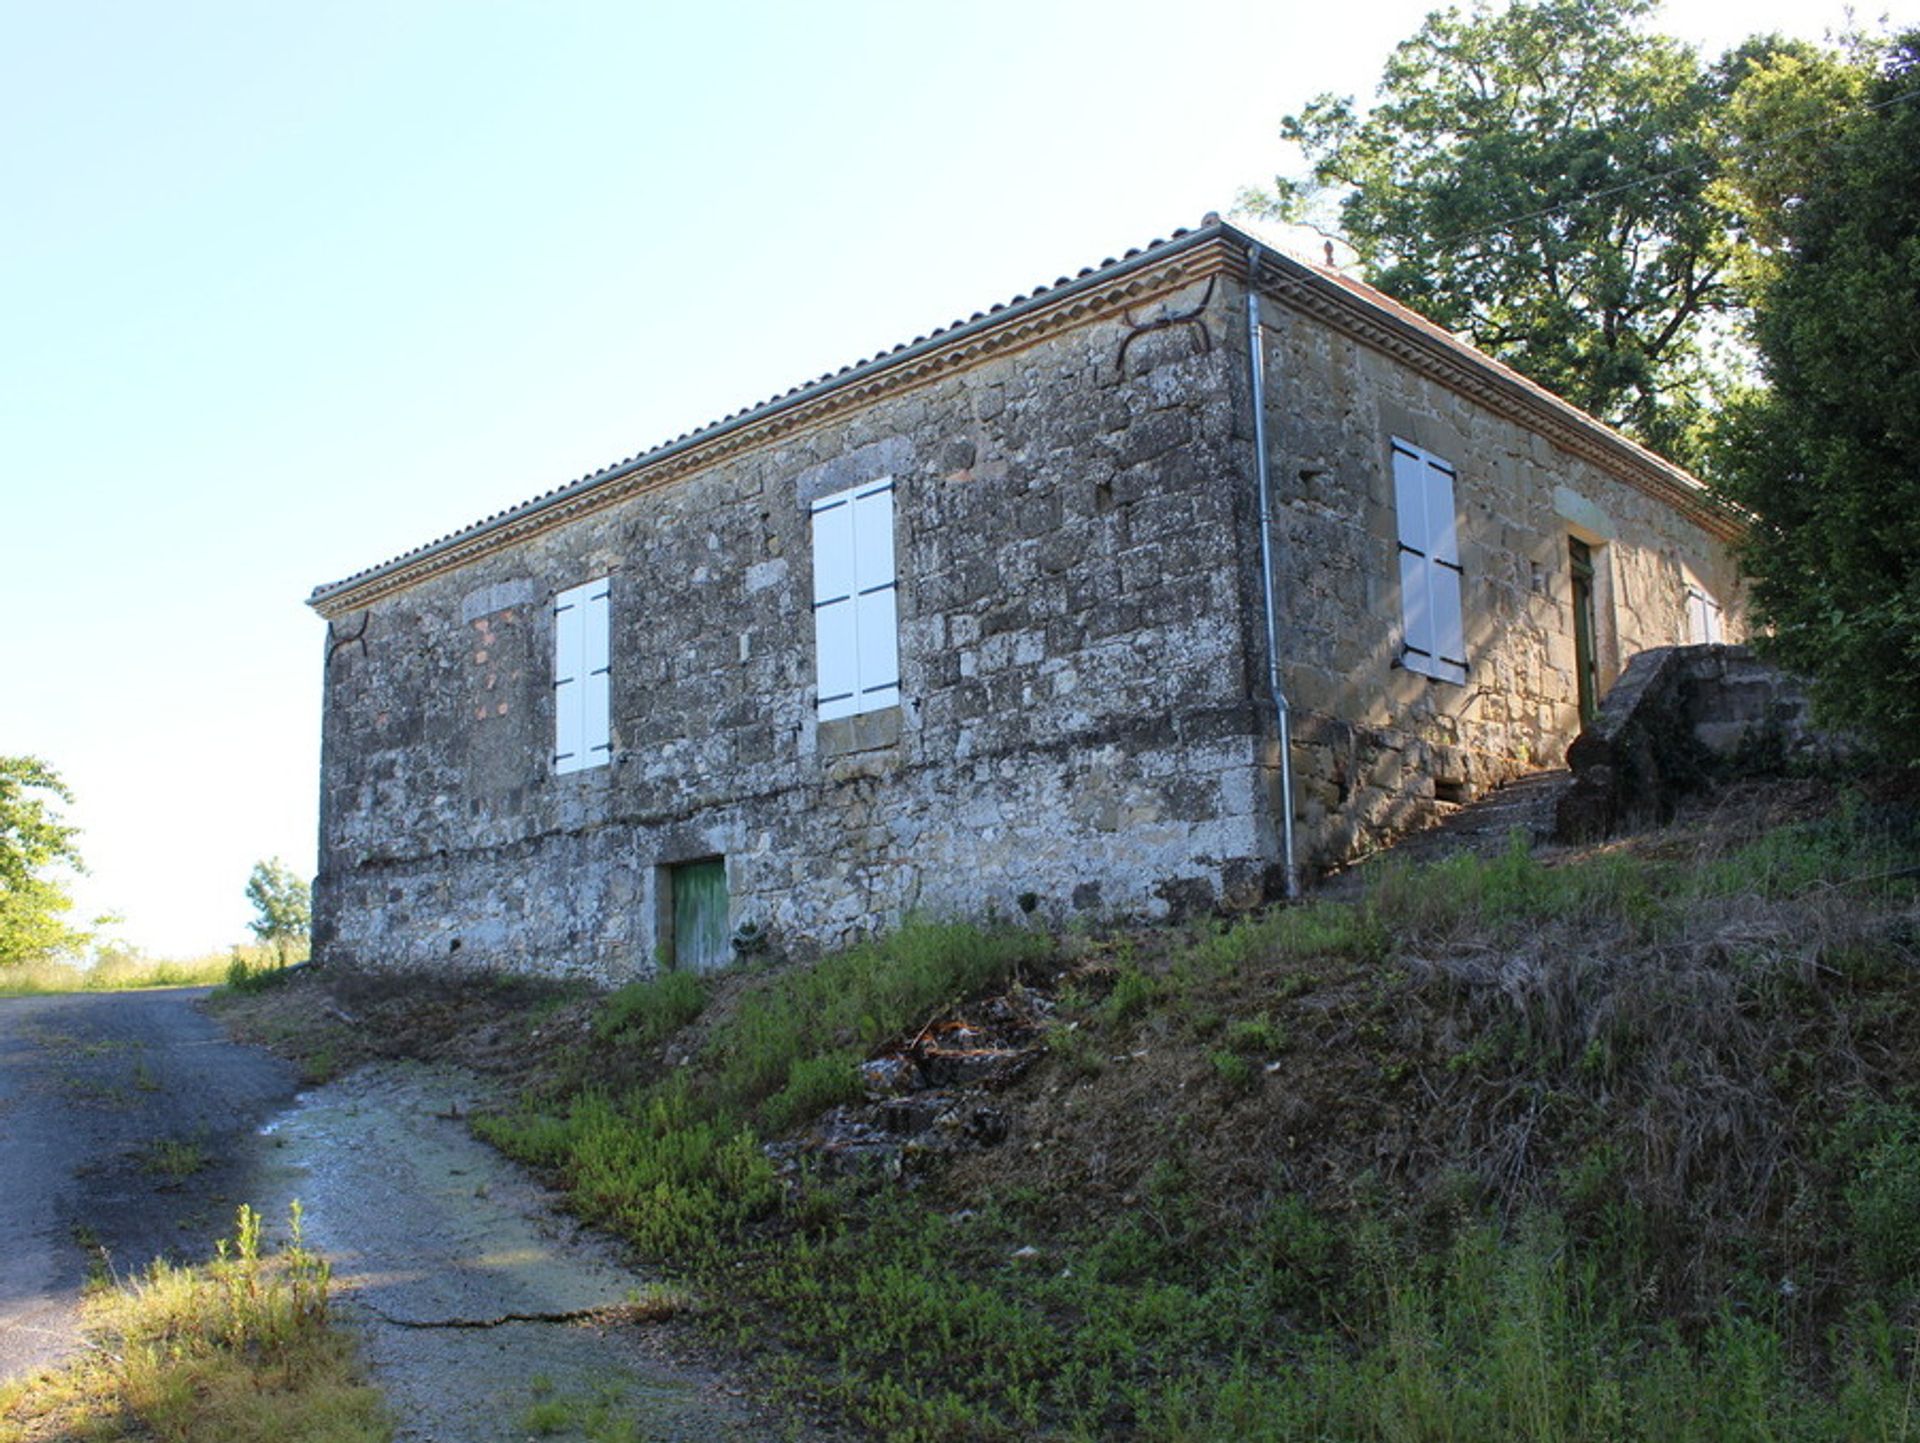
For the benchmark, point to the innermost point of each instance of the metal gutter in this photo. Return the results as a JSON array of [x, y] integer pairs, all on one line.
[[1276, 691]]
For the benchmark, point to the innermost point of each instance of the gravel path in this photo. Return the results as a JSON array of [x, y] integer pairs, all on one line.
[[128, 1131]]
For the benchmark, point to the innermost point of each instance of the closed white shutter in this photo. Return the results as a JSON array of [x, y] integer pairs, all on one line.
[[596, 698], [876, 589], [1410, 513], [1449, 625], [581, 676], [836, 645], [855, 615], [1703, 617], [1430, 575]]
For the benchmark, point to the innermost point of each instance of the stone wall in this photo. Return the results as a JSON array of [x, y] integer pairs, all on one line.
[[1075, 734], [1680, 718], [1380, 750], [1083, 728]]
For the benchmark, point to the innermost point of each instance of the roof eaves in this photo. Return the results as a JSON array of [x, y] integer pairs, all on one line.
[[1621, 454], [959, 331], [1331, 289]]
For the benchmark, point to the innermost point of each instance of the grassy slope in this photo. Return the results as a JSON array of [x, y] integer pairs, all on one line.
[[1627, 1147]]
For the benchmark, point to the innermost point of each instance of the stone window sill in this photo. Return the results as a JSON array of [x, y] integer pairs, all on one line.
[[865, 731]]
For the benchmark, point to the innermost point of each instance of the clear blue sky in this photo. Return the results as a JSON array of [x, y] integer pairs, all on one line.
[[286, 289]]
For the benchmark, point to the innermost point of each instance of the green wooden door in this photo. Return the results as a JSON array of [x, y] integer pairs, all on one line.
[[700, 932]]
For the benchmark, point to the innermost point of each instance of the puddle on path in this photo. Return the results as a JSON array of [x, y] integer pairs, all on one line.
[[471, 1288]]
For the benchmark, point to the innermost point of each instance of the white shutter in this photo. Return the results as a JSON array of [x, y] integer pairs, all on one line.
[[836, 644], [1410, 518], [569, 658], [876, 619], [1703, 617], [1435, 632], [856, 627], [1449, 626], [581, 676], [596, 685]]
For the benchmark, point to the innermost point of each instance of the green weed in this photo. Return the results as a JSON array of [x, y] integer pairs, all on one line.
[[598, 1417], [650, 1011], [237, 1351], [1076, 1049], [853, 1001], [1134, 992], [1234, 1070], [118, 968], [814, 1084], [1260, 1036], [175, 1158], [1553, 1274], [1883, 1194], [247, 974], [1871, 850]]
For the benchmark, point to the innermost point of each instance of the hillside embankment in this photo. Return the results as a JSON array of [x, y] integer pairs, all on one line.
[[1620, 1142]]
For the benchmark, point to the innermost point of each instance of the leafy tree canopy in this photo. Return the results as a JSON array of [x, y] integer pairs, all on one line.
[[1546, 179], [34, 842], [282, 904], [1828, 460]]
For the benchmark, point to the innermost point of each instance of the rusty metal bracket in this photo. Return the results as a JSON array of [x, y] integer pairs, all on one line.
[[336, 639], [1167, 322]]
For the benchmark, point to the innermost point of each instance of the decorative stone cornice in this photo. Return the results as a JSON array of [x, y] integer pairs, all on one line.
[[1374, 320], [1160, 270]]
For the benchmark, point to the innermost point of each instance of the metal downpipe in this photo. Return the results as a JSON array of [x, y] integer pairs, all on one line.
[[1257, 366]]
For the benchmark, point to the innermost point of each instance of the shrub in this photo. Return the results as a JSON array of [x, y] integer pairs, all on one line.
[[651, 1011], [1883, 1197]]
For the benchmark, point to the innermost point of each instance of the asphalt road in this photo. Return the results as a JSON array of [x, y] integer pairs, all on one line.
[[129, 1130]]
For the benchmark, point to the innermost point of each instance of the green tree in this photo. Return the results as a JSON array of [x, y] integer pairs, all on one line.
[[34, 844], [1788, 101], [1544, 179], [1828, 459], [283, 906]]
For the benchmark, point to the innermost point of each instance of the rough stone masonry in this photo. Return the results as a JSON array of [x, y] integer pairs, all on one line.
[[1082, 726]]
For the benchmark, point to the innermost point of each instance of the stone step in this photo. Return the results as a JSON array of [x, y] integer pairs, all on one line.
[[1526, 805]]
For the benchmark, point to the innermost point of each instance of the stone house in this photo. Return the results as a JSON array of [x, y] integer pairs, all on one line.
[[992, 622]]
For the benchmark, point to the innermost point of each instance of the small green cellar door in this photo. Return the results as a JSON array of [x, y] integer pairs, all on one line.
[[700, 915]]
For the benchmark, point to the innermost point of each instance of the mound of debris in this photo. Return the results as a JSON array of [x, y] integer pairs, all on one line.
[[930, 1095]]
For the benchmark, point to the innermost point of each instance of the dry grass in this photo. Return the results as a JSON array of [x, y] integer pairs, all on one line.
[[331, 1020], [122, 969], [238, 1351], [1669, 1039]]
